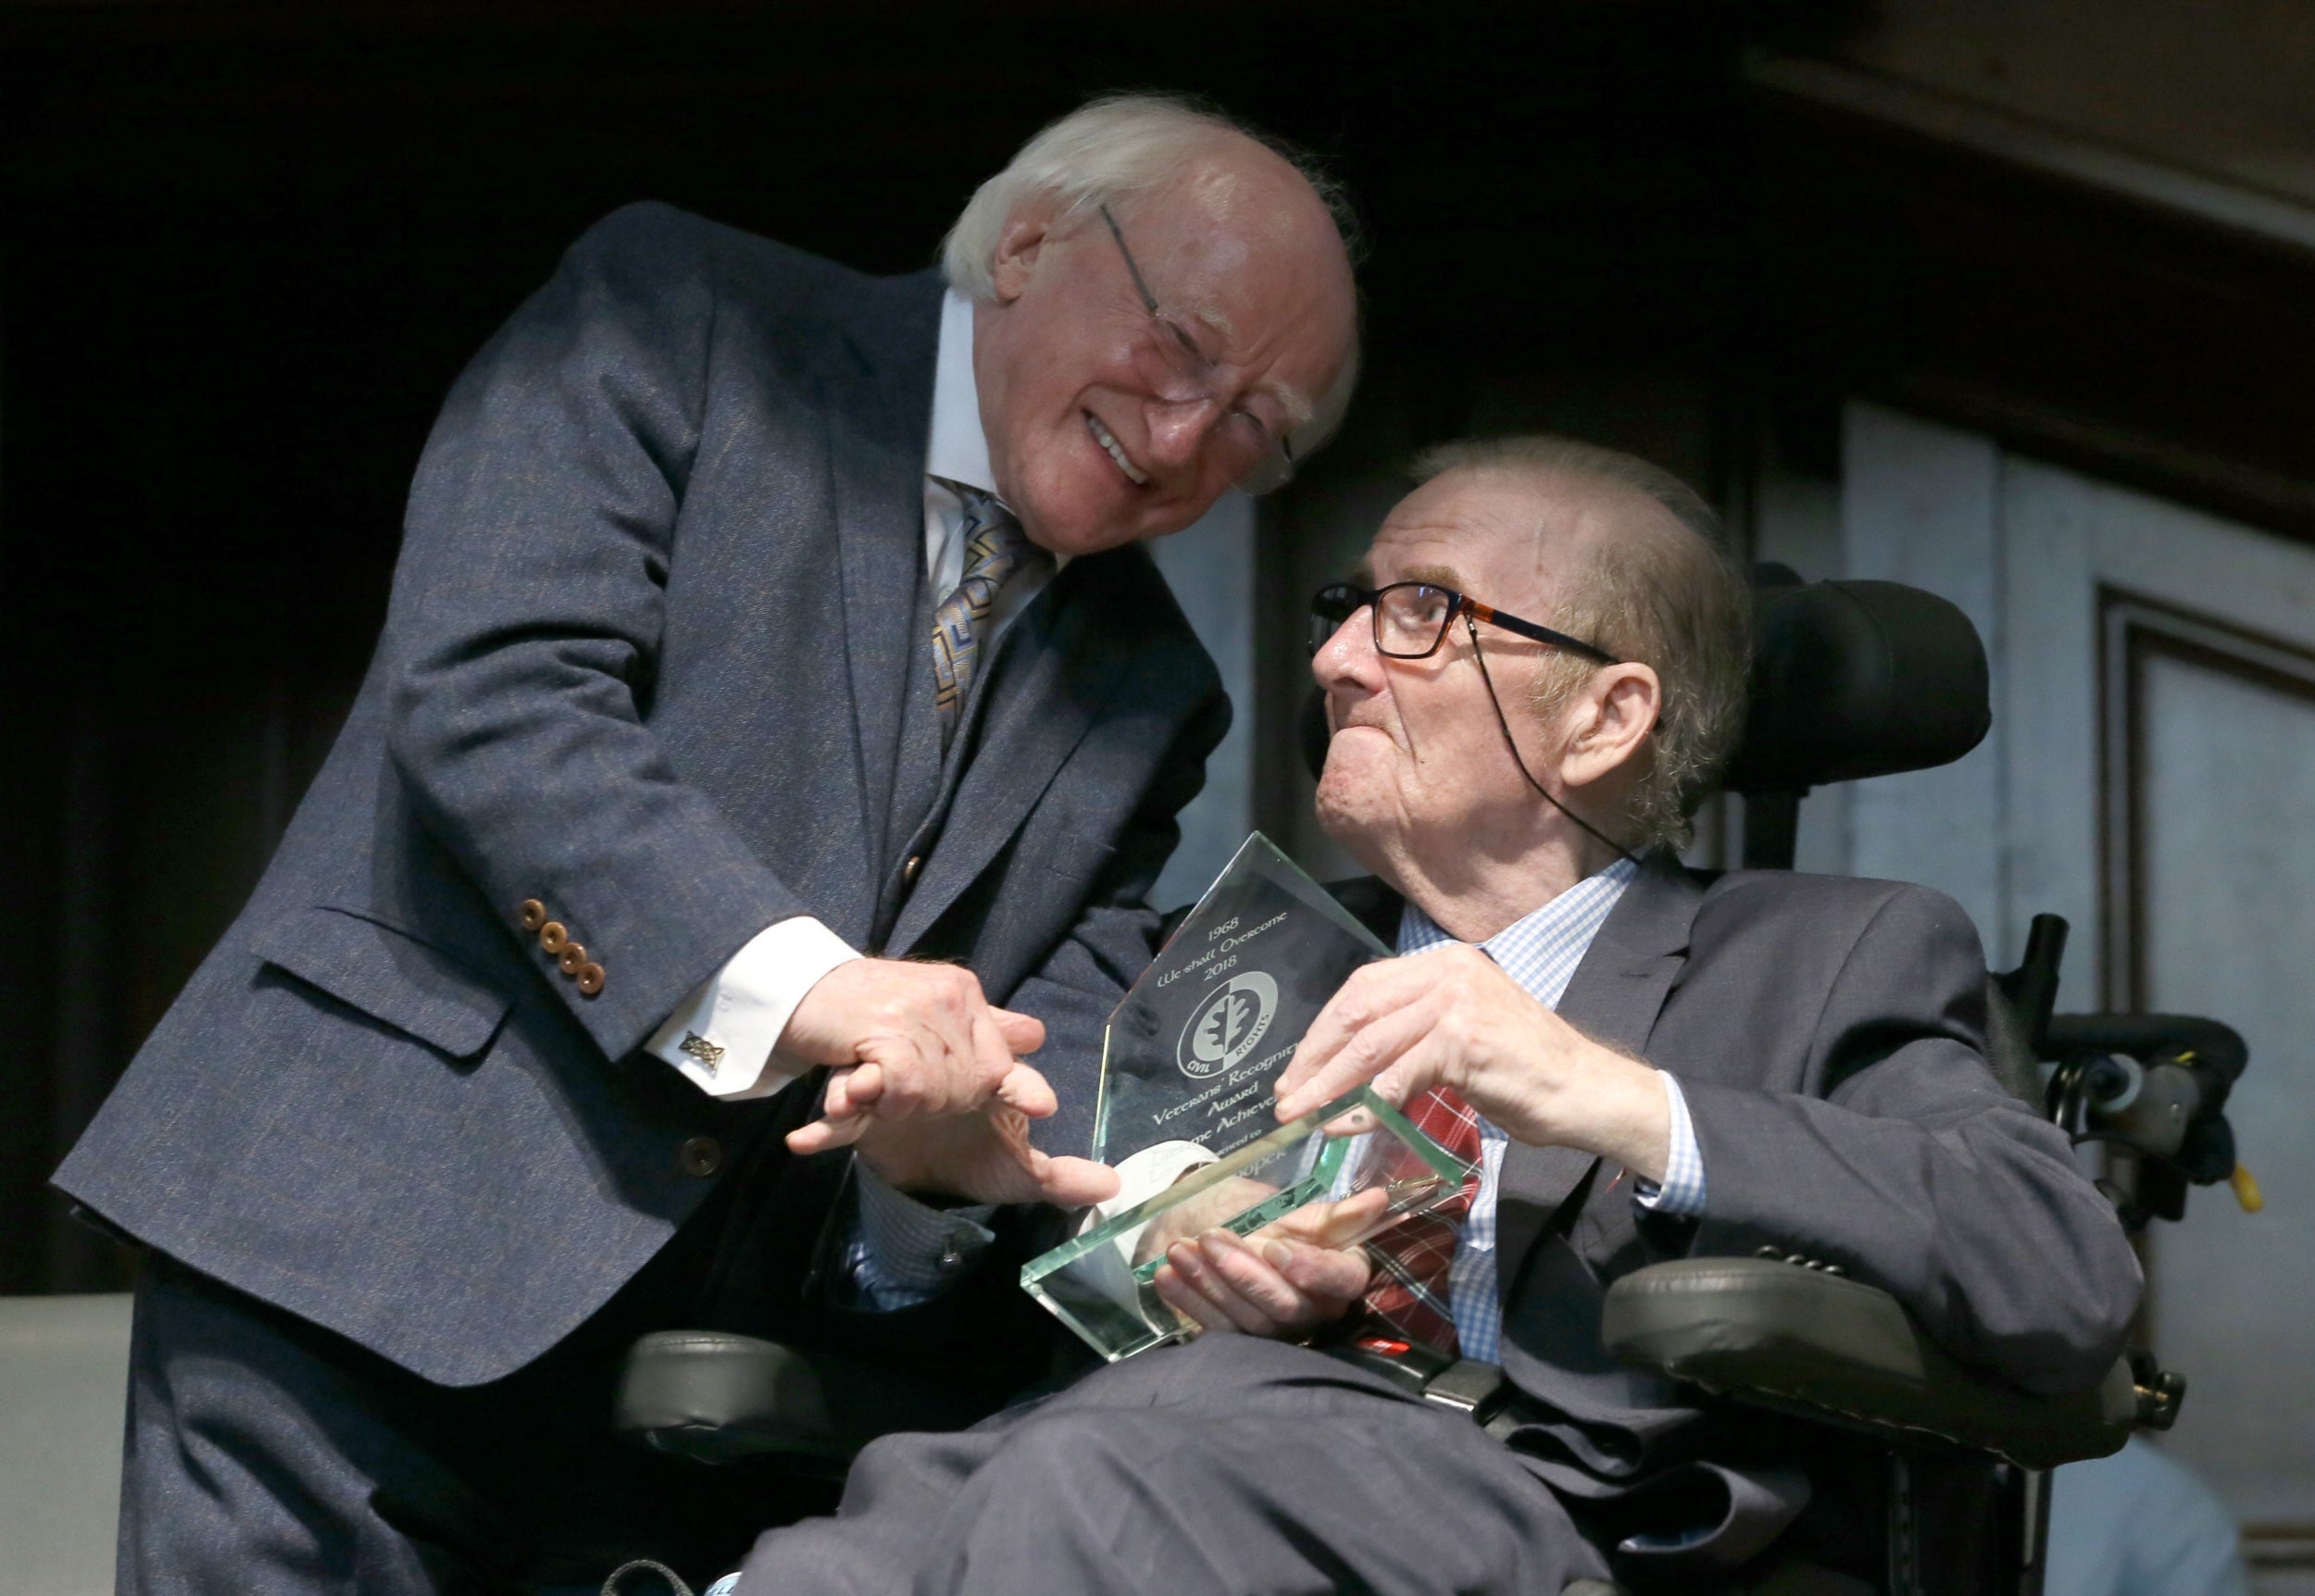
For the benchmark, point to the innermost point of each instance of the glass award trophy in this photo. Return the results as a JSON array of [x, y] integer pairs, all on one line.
[[1190, 1056]]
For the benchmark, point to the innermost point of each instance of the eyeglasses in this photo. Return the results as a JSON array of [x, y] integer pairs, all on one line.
[[1411, 619], [1173, 367]]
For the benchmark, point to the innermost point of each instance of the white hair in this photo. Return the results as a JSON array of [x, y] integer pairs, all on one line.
[[1111, 149]]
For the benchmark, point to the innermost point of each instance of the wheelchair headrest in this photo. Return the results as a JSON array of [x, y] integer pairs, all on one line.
[[1850, 680], [1857, 678]]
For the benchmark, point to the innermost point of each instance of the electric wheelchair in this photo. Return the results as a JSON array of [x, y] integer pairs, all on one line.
[[1949, 1467]]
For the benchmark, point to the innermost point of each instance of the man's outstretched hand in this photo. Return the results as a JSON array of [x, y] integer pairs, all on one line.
[[980, 1157], [907, 1041]]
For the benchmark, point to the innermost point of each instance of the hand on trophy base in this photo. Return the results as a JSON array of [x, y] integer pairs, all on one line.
[[1203, 1212], [1319, 1186], [1293, 1276]]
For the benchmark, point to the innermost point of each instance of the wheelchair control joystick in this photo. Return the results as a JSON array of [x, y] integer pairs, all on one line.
[[2159, 1391], [2152, 1088]]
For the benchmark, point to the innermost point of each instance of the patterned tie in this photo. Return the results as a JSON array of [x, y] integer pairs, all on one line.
[[1408, 1293], [995, 548]]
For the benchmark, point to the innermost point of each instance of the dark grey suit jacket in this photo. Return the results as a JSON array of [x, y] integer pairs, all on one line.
[[649, 661], [1829, 1037]]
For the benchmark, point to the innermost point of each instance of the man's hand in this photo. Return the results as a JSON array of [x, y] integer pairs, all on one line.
[[1221, 1200], [1295, 1275], [1452, 1017], [907, 1040], [982, 1157]]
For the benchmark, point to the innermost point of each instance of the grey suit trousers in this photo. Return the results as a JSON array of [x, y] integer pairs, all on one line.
[[1230, 1467], [269, 1457]]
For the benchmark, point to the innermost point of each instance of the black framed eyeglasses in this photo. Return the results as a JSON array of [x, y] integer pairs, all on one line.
[[1264, 459], [1411, 619]]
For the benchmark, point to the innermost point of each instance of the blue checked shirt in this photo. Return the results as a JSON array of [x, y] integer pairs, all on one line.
[[1541, 953], [901, 1253]]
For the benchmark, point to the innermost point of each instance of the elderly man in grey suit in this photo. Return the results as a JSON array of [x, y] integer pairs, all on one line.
[[770, 691], [1529, 684]]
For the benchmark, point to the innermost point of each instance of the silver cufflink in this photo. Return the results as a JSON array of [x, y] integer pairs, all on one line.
[[700, 1048]]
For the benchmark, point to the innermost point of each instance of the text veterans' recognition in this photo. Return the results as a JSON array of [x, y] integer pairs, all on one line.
[[1192, 1052]]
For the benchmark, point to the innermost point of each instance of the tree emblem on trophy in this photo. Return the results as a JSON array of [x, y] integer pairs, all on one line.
[[1225, 1031]]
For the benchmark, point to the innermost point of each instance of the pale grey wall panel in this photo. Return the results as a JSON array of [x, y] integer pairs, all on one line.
[[2229, 896], [1211, 568], [1919, 505]]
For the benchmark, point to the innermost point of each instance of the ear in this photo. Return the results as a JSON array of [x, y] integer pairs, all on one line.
[[1610, 722], [1018, 248]]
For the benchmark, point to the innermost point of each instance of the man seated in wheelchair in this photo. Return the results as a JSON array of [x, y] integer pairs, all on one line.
[[1531, 680]]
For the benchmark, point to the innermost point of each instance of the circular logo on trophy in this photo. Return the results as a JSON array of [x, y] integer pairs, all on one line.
[[1227, 1025]]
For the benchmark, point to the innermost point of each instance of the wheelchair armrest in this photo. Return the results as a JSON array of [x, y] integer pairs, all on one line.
[[1777, 1335], [713, 1397]]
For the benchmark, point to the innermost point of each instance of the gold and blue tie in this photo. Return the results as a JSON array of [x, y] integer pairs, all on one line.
[[995, 547]]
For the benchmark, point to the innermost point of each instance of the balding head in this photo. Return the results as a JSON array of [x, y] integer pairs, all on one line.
[[1642, 572]]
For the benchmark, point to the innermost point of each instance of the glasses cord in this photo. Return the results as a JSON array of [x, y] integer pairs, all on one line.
[[1512, 743]]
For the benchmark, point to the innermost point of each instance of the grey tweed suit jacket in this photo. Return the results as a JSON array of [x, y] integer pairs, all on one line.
[[649, 661]]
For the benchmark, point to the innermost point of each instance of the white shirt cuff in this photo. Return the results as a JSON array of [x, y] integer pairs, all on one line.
[[1681, 1191], [722, 1036]]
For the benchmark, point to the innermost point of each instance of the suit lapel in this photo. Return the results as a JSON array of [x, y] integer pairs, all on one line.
[[877, 401], [1055, 672], [1614, 997]]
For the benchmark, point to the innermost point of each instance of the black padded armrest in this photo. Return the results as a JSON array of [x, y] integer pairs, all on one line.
[[1804, 1342], [715, 1397]]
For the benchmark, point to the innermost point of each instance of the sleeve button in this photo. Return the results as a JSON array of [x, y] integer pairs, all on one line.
[[590, 979], [531, 914], [574, 955], [552, 935]]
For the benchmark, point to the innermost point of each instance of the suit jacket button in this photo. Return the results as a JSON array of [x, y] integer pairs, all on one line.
[[908, 871], [702, 1155], [531, 914], [552, 935], [590, 979], [574, 955]]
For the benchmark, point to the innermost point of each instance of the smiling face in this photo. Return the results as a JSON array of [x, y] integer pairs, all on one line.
[[1419, 784], [1095, 435]]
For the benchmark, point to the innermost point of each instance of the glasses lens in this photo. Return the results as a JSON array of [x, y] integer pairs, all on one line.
[[1411, 618], [1268, 474]]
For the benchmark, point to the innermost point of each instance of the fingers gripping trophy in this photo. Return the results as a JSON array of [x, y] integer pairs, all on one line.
[[1189, 1063]]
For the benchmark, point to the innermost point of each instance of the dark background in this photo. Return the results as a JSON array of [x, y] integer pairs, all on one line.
[[244, 250]]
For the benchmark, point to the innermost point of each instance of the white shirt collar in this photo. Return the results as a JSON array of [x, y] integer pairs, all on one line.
[[960, 450], [1541, 950]]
